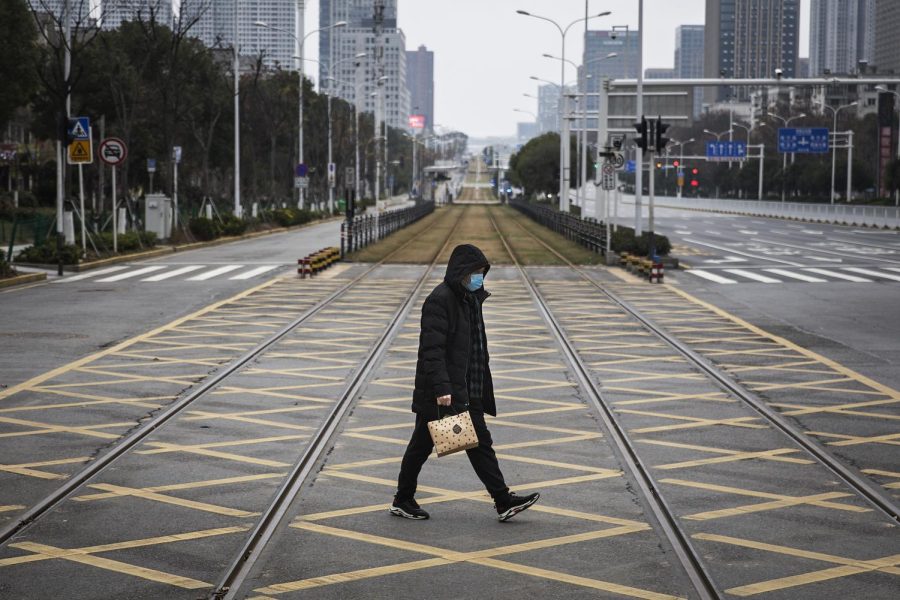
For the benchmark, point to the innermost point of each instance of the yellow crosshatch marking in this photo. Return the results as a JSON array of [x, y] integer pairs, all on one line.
[[892, 439], [777, 500], [87, 556], [848, 566], [29, 469], [146, 494], [727, 455], [692, 422], [446, 557]]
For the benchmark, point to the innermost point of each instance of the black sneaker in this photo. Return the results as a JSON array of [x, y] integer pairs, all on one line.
[[408, 509], [514, 505]]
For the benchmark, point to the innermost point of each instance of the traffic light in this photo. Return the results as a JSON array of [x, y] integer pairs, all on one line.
[[659, 165], [641, 139], [661, 140], [676, 163], [695, 171]]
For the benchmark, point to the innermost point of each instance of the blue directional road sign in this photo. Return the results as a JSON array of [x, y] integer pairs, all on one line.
[[724, 150], [301, 170], [812, 140], [630, 166]]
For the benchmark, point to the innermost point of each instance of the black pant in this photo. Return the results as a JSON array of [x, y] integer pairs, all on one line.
[[482, 457]]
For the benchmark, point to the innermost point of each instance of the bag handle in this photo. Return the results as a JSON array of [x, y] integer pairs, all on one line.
[[454, 413]]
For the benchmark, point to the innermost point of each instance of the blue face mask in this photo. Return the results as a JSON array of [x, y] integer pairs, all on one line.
[[476, 280]]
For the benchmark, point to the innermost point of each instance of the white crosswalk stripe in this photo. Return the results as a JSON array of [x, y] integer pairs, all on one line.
[[800, 276], [106, 271], [871, 273], [215, 273], [169, 272], [839, 275], [175, 273], [254, 272], [711, 276], [130, 274], [754, 276]]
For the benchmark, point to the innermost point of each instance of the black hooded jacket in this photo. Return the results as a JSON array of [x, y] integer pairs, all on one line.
[[445, 343]]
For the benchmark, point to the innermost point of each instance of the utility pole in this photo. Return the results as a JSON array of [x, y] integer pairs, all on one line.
[[639, 153], [237, 117]]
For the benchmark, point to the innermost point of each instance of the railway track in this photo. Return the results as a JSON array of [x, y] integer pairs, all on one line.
[[690, 558], [127, 443]]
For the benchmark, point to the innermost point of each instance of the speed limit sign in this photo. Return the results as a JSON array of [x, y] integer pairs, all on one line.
[[112, 151]]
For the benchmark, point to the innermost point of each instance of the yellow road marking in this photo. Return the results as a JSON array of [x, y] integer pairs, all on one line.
[[25, 385], [892, 439], [443, 556], [849, 566], [11, 507], [867, 381], [692, 422], [29, 470], [157, 497], [187, 486]]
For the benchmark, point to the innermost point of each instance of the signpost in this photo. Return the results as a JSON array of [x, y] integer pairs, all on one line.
[[151, 168], [726, 151], [176, 159], [80, 152], [113, 152], [813, 140]]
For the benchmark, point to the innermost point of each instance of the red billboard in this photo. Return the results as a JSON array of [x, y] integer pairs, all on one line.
[[417, 121]]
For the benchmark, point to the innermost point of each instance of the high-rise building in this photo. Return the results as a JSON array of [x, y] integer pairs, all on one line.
[[215, 25], [80, 9], [659, 73], [548, 107], [598, 45], [750, 39], [841, 36], [689, 44], [115, 12], [385, 57], [887, 42], [420, 81]]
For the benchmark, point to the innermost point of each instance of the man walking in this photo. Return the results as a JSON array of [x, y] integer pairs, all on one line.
[[452, 371]]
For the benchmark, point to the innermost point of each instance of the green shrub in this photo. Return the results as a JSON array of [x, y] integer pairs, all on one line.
[[204, 229], [131, 241], [287, 217], [231, 225], [6, 269], [46, 254], [624, 240]]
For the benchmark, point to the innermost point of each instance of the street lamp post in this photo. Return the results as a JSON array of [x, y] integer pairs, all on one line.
[[718, 137], [300, 75], [563, 125], [786, 122], [681, 146], [835, 112]]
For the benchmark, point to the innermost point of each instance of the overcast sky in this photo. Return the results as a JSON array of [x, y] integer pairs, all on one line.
[[485, 52]]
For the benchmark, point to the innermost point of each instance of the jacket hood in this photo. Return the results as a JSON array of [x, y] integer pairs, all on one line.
[[465, 259]]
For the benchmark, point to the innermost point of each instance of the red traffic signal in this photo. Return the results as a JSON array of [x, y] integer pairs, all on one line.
[[695, 171], [676, 163], [695, 183]]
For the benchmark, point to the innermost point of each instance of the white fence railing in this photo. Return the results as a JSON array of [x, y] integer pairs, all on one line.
[[869, 216]]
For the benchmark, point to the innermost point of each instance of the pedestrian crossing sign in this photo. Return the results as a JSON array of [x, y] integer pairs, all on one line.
[[80, 153]]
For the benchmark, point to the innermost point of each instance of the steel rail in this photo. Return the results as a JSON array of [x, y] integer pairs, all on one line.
[[859, 483], [688, 556], [123, 445], [230, 583]]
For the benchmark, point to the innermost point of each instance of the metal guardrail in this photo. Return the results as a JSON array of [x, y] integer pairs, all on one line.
[[367, 229], [861, 216], [590, 234]]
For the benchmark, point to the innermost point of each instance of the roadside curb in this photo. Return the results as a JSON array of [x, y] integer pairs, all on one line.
[[21, 279], [113, 260]]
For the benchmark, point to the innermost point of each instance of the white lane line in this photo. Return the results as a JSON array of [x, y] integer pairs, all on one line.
[[214, 273], [894, 269], [254, 272], [748, 232], [711, 276], [713, 232], [871, 273], [105, 271], [799, 276], [824, 259], [682, 232], [175, 273], [839, 275], [747, 254], [131, 274], [752, 275]]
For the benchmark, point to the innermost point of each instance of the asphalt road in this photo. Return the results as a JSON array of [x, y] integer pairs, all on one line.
[[50, 324], [831, 288]]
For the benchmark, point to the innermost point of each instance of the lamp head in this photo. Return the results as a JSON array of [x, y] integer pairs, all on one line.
[[260, 24], [522, 12], [339, 24]]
